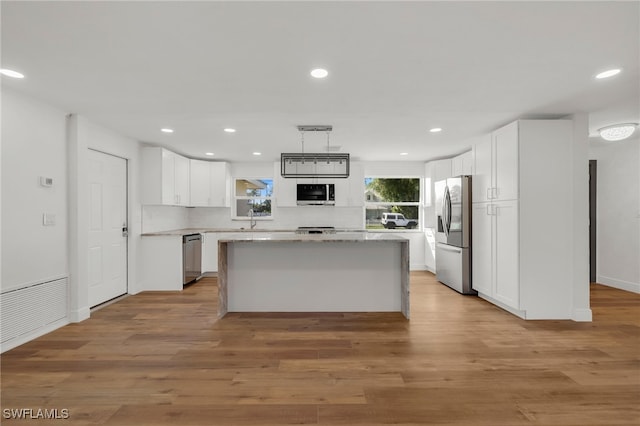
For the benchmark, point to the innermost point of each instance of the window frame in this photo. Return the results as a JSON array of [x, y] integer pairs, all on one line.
[[418, 204], [236, 198]]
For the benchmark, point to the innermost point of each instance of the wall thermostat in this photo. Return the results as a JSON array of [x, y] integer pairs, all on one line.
[[46, 181]]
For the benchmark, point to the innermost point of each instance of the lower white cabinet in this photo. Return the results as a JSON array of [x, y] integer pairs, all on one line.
[[495, 251]]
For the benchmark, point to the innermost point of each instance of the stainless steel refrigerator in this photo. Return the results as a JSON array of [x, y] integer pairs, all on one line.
[[453, 236]]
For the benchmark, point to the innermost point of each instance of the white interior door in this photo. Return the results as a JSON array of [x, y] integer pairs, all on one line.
[[107, 218]]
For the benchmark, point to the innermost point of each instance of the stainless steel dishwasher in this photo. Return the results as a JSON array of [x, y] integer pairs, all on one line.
[[191, 258]]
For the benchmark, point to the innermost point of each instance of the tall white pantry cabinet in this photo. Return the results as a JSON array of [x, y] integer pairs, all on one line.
[[521, 218]]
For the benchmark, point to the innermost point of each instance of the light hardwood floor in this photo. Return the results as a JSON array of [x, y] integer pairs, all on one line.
[[163, 359]]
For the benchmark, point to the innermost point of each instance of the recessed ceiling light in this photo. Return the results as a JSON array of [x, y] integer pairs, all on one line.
[[435, 130], [166, 130], [404, 153], [617, 132], [209, 153], [11, 73], [319, 73], [230, 130], [608, 73], [257, 153]]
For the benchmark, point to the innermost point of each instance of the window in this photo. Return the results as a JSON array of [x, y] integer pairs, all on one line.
[[253, 194], [392, 203]]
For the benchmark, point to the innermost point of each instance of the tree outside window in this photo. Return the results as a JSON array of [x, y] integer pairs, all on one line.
[[253, 194], [391, 195]]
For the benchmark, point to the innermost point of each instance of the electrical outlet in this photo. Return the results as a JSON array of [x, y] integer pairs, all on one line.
[[48, 219]]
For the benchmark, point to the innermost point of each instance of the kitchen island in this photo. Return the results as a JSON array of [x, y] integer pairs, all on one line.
[[343, 272]]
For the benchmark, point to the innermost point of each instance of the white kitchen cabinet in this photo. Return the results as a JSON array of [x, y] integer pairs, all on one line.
[[522, 253], [462, 164], [181, 179], [165, 177], [496, 165], [209, 183], [441, 169], [495, 251], [482, 248]]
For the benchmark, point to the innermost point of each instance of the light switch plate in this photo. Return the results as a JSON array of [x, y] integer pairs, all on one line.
[[46, 181]]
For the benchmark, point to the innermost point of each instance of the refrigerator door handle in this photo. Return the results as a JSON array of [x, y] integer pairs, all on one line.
[[446, 211]]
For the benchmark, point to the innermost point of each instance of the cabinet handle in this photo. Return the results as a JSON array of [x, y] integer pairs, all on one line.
[[488, 193], [489, 210], [494, 193]]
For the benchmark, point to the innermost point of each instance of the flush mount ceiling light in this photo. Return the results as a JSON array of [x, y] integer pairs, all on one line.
[[11, 73], [404, 153], [608, 73], [209, 153], [617, 132], [435, 130], [166, 130], [230, 130], [319, 73], [257, 153]]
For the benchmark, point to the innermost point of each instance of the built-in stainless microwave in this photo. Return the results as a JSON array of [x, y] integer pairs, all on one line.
[[316, 194]]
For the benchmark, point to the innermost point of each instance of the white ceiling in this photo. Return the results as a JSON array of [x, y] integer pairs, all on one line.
[[396, 69]]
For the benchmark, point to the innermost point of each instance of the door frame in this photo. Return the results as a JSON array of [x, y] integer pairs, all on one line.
[[593, 204]]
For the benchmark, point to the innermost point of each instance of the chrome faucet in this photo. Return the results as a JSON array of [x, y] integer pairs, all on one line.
[[252, 222]]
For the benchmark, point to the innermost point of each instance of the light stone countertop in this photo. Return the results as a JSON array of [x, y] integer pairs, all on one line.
[[188, 231], [337, 237]]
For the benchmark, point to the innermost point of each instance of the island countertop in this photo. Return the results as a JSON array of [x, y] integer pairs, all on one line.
[[292, 237], [187, 231]]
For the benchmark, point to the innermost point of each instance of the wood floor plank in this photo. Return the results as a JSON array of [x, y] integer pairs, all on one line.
[[163, 358]]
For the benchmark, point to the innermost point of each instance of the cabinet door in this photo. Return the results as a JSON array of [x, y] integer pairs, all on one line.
[[442, 169], [199, 183], [456, 166], [506, 281], [481, 254], [467, 163], [220, 184], [481, 184], [181, 180], [505, 178], [168, 180]]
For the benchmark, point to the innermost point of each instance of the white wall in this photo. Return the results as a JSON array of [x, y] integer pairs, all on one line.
[[41, 140], [34, 145], [618, 214]]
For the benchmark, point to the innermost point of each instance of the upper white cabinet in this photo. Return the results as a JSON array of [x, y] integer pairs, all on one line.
[[165, 177], [462, 164], [522, 234], [496, 166], [441, 169], [210, 183]]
